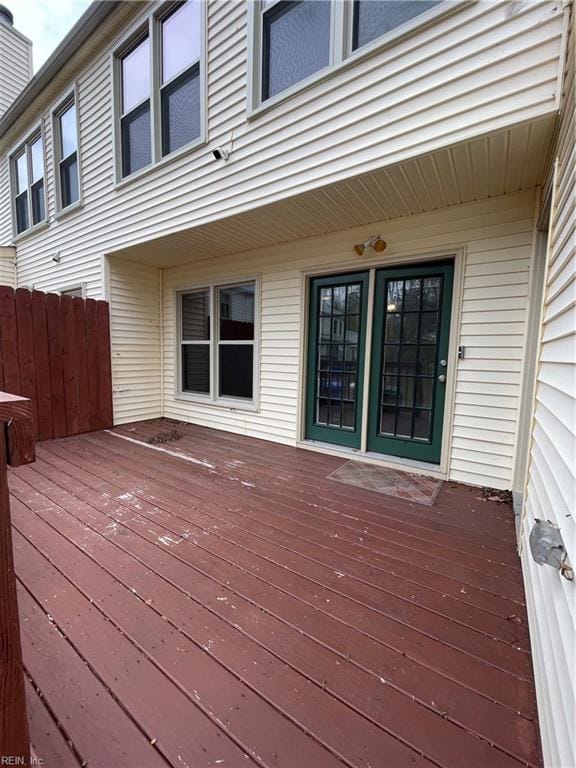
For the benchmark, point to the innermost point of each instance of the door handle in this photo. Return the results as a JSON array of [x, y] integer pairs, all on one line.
[[442, 378]]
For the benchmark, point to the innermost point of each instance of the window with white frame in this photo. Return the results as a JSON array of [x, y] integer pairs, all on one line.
[[217, 346], [159, 86], [66, 155], [28, 187], [296, 40]]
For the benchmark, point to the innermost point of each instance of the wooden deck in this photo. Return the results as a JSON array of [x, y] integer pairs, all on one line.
[[220, 602]]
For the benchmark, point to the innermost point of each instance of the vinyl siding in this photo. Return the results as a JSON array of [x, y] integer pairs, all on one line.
[[551, 492], [496, 237], [134, 295], [15, 64], [478, 70], [8, 267]]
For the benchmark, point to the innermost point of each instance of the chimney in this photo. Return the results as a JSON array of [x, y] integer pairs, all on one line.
[[15, 60]]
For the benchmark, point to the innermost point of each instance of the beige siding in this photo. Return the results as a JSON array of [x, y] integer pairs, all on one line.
[[8, 266], [496, 238], [551, 493], [15, 64], [486, 66], [134, 295]]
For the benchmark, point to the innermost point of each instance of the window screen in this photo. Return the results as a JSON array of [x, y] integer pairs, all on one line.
[[374, 18], [295, 43], [180, 89]]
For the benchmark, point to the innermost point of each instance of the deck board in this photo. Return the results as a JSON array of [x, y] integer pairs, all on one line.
[[235, 605]]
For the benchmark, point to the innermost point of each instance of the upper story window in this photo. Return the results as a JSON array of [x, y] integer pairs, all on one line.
[[374, 18], [28, 187], [159, 85], [135, 118], [66, 154], [295, 41]]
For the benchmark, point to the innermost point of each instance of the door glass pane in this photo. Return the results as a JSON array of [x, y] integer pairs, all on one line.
[[196, 316], [296, 43], [68, 132], [428, 327], [411, 322], [412, 295], [37, 160], [181, 39], [410, 328], [406, 390], [338, 339], [404, 422], [136, 76], [236, 370], [237, 312], [196, 368], [424, 393], [395, 296], [431, 293], [326, 301], [422, 425], [393, 323], [374, 18]]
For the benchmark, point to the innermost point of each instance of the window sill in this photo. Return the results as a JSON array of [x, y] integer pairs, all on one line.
[[31, 231], [62, 214], [366, 51], [227, 403], [173, 156]]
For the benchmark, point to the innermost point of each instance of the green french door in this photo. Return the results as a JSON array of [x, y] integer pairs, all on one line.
[[409, 360], [336, 353]]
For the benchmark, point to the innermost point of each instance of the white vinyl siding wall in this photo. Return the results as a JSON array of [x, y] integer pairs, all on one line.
[[551, 493], [134, 295], [496, 236], [8, 267], [486, 66], [15, 64]]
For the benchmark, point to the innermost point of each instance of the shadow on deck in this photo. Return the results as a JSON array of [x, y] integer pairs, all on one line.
[[232, 606]]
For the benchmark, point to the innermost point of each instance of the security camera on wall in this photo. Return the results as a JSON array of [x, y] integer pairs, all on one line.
[[220, 154]]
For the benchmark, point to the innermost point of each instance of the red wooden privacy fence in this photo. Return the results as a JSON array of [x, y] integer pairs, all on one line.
[[55, 350]]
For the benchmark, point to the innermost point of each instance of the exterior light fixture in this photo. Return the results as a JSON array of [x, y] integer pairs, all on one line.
[[374, 242]]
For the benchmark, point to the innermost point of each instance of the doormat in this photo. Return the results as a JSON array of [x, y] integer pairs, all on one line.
[[390, 482]]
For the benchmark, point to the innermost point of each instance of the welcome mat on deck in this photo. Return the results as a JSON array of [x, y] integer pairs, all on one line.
[[391, 482]]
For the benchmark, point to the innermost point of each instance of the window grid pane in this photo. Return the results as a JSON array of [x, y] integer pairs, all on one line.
[[36, 160], [68, 132], [408, 380], [136, 140], [69, 188], [195, 314], [338, 340], [374, 18], [181, 39], [296, 43], [181, 111], [135, 76]]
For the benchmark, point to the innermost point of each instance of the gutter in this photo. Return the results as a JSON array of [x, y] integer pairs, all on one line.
[[86, 25]]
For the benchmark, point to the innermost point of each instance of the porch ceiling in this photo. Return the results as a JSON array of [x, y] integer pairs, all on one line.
[[489, 166]]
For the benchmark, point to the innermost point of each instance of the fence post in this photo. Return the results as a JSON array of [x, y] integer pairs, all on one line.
[[16, 447]]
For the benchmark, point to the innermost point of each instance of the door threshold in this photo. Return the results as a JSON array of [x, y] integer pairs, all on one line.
[[370, 457]]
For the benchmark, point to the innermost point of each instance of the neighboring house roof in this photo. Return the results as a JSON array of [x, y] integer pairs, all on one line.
[[80, 32]]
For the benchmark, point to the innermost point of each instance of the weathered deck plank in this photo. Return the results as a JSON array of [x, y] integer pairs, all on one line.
[[256, 588]]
